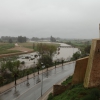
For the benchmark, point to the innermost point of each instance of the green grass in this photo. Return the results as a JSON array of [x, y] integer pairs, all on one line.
[[67, 81], [30, 44], [77, 92], [27, 45], [5, 46], [9, 51]]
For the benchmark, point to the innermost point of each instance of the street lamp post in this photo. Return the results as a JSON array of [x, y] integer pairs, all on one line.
[[62, 62], [47, 70], [42, 80], [33, 68], [73, 52], [15, 82], [55, 67]]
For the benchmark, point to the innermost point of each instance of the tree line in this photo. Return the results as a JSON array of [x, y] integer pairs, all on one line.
[[52, 39], [10, 39]]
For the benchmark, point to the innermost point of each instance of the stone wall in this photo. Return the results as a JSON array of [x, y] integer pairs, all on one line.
[[92, 77], [80, 70], [58, 89]]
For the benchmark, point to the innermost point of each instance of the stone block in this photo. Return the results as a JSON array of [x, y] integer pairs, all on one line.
[[58, 89]]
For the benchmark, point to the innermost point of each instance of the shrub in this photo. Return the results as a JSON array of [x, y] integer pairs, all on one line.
[[50, 97]]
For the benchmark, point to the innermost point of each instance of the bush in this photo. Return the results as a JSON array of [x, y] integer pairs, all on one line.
[[50, 97], [68, 80], [94, 95]]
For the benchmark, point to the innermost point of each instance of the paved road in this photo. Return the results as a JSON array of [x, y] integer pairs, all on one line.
[[33, 92]]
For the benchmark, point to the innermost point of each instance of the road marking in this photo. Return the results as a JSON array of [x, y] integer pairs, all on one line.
[[43, 79], [25, 92], [28, 90]]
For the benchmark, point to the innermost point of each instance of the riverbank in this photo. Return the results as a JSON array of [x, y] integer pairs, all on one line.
[[14, 54]]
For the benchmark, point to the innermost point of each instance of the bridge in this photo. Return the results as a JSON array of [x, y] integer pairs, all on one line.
[[66, 47]]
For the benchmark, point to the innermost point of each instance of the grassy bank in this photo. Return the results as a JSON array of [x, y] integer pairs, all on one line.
[[79, 45], [5, 46], [77, 92], [30, 44], [26, 45]]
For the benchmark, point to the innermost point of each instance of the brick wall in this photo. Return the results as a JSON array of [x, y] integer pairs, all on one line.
[[58, 89], [80, 70]]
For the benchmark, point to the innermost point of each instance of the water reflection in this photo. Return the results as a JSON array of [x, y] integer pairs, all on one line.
[[16, 92], [65, 53]]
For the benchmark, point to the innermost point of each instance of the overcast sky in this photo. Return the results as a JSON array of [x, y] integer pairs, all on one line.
[[43, 18]]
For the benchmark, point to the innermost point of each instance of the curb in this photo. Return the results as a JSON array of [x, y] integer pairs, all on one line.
[[45, 96]]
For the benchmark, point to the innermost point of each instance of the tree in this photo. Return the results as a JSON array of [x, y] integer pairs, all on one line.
[[76, 55], [46, 60], [46, 49], [46, 53], [9, 65], [3, 68], [52, 39], [15, 74], [2, 73], [35, 39], [13, 69], [10, 40], [87, 49], [2, 80], [17, 63], [21, 39]]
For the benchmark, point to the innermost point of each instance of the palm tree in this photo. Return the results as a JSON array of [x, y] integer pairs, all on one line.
[[17, 63], [15, 72], [3, 68], [13, 69], [55, 66], [3, 72]]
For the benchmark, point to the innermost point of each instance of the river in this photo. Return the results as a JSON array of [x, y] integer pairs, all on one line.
[[65, 53]]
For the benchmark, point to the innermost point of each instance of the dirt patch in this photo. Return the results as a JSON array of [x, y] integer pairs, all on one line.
[[20, 48]]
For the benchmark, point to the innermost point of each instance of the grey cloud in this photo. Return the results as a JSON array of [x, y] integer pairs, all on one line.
[[43, 18]]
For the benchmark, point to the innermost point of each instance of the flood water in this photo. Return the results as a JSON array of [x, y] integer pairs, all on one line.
[[65, 53]]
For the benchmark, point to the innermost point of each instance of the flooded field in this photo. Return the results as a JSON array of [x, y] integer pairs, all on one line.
[[65, 53]]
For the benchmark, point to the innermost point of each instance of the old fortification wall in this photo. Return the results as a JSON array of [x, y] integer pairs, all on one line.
[[92, 76], [80, 69]]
